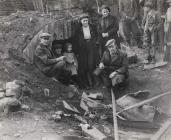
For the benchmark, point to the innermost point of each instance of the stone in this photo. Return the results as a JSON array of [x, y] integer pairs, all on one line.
[[93, 132], [46, 92], [87, 103], [8, 102], [70, 107], [13, 89], [25, 107], [97, 96]]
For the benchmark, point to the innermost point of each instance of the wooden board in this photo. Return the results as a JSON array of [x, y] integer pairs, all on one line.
[[156, 65]]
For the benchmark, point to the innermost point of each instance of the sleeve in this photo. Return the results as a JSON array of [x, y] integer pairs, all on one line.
[[41, 55], [114, 26], [124, 68]]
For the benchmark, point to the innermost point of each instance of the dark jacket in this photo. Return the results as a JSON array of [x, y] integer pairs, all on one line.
[[87, 51], [118, 63], [108, 25], [44, 58]]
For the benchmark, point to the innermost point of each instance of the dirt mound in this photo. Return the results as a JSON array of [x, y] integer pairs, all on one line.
[[19, 28]]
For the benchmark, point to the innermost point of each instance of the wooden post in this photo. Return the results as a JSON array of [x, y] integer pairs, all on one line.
[[115, 124]]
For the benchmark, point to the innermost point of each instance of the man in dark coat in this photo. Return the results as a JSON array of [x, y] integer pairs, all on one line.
[[107, 28], [87, 51], [47, 62], [113, 68], [128, 10]]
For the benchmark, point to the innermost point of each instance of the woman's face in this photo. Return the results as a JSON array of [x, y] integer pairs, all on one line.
[[105, 12], [84, 22]]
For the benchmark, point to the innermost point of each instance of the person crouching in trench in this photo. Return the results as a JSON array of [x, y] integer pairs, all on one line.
[[48, 63], [113, 68]]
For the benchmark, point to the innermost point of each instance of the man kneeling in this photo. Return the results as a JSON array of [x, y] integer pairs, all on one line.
[[113, 68], [50, 63]]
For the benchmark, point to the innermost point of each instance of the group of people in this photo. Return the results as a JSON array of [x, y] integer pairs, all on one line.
[[97, 55]]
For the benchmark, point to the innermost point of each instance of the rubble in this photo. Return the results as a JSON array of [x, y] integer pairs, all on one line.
[[89, 104], [46, 92], [70, 107], [96, 96], [13, 88], [92, 132]]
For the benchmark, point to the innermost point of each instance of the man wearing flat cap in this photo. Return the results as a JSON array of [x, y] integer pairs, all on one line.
[[113, 68], [86, 50], [46, 60], [107, 27]]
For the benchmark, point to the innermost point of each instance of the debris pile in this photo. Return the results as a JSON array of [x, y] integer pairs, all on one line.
[[10, 97], [92, 113]]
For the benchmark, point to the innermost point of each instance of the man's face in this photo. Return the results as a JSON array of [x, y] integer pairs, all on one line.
[[84, 22], [45, 41], [105, 12], [112, 49]]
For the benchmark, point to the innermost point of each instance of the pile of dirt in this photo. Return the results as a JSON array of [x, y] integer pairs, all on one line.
[[19, 28]]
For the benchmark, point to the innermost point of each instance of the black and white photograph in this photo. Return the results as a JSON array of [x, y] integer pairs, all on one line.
[[85, 69]]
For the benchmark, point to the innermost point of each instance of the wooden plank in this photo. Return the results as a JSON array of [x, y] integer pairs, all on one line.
[[145, 102], [115, 123], [93, 132], [161, 131], [156, 65]]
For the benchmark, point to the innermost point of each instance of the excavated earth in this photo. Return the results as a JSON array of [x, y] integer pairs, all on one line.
[[16, 31]]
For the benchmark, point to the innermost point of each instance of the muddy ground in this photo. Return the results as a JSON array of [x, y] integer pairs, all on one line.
[[36, 123]]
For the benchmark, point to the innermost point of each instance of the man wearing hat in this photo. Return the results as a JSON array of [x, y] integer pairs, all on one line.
[[108, 27], [113, 68], [86, 50], [129, 29], [45, 59], [152, 25]]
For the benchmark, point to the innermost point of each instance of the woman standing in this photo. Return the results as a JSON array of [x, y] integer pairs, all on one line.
[[107, 28], [87, 51]]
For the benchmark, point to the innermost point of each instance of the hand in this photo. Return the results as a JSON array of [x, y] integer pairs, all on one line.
[[101, 66], [105, 35], [63, 58], [112, 74]]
